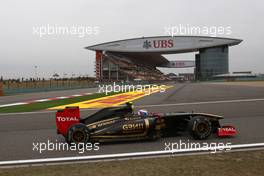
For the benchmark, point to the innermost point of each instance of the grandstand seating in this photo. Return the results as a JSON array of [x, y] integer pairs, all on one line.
[[128, 68]]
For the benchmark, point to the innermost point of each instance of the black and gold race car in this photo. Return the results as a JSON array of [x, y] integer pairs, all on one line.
[[122, 124]]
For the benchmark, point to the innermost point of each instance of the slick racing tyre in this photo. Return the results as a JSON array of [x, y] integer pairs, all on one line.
[[78, 133], [200, 127]]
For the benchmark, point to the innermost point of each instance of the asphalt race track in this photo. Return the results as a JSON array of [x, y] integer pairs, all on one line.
[[19, 131]]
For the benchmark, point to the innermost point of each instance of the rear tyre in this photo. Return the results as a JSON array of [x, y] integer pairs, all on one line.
[[200, 127], [78, 133], [153, 135]]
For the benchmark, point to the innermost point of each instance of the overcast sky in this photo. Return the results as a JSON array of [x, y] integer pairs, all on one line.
[[21, 49]]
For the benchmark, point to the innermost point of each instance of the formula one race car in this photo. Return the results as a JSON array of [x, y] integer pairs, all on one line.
[[121, 124]]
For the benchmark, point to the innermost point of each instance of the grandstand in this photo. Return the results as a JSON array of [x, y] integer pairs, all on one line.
[[120, 67], [139, 58]]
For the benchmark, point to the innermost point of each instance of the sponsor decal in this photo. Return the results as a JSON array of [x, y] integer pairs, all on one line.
[[105, 123], [226, 131], [133, 127], [147, 44], [158, 44], [68, 119]]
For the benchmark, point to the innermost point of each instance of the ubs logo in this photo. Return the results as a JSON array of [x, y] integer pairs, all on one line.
[[158, 44], [147, 44]]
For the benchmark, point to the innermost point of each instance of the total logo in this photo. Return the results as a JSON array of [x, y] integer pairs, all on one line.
[[228, 129], [68, 119], [158, 44]]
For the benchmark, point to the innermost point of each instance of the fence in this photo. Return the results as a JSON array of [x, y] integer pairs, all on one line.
[[16, 86]]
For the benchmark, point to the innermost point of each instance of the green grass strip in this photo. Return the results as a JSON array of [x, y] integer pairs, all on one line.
[[48, 104]]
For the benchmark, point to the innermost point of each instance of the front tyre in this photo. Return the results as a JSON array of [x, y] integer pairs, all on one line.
[[200, 127], [78, 133]]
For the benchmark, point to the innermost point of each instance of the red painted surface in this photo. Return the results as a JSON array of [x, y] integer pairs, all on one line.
[[226, 131], [66, 118], [98, 64]]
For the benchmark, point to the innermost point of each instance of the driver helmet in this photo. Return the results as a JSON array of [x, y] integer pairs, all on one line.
[[143, 113]]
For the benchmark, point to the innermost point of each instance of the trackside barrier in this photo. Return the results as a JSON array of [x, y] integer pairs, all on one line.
[[1, 89]]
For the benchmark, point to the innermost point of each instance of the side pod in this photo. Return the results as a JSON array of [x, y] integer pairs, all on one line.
[[66, 118]]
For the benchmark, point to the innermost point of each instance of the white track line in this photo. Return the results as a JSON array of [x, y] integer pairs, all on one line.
[[61, 97], [145, 106], [13, 104], [43, 100], [76, 95], [128, 155], [205, 102]]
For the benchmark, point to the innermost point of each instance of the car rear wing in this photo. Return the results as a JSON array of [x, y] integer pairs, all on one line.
[[65, 118]]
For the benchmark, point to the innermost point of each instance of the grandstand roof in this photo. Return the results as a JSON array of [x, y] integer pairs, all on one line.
[[164, 44], [141, 49]]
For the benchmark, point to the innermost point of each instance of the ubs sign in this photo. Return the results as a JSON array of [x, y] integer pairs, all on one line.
[[158, 44]]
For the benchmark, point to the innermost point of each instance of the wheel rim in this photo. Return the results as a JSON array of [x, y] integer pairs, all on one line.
[[78, 136], [202, 128]]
